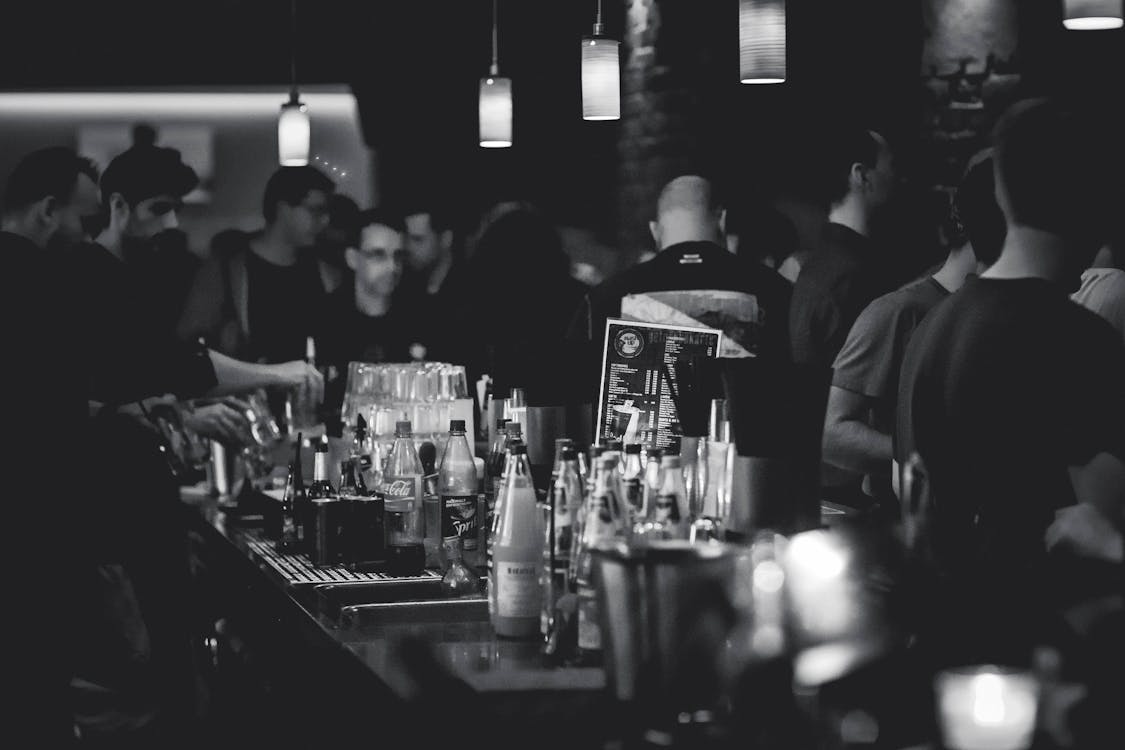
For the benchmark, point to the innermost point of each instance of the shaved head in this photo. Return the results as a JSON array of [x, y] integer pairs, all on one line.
[[687, 212]]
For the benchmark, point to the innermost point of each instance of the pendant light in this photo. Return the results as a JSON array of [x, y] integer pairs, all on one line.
[[601, 74], [761, 41], [1090, 15], [293, 131], [495, 103]]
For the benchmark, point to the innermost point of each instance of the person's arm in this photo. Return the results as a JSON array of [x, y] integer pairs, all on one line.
[[235, 376], [849, 442]]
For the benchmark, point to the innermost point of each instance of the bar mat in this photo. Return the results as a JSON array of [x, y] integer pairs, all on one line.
[[298, 569]]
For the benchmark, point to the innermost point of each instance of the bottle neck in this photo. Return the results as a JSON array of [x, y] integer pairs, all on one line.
[[320, 466]]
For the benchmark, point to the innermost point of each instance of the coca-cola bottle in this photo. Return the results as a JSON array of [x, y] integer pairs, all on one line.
[[402, 493]]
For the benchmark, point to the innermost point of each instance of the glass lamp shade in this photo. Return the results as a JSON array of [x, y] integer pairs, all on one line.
[[1089, 15], [601, 78], [293, 134], [495, 108], [761, 41]]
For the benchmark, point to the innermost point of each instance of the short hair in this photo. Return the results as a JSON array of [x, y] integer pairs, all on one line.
[[291, 185], [976, 210], [49, 172], [688, 191], [441, 217], [373, 216], [142, 172], [842, 149], [1056, 168]]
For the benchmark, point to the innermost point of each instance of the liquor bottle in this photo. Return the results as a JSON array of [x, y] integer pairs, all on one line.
[[351, 479], [457, 486], [292, 538], [326, 513], [460, 580], [599, 525], [632, 476], [402, 493], [565, 500], [513, 586], [497, 453], [671, 510]]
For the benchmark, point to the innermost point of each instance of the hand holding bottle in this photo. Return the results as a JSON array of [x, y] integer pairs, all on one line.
[[219, 422], [300, 375]]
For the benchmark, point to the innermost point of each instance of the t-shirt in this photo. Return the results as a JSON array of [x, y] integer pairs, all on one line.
[[1103, 292], [837, 281], [869, 362], [1003, 386], [132, 353], [284, 303]]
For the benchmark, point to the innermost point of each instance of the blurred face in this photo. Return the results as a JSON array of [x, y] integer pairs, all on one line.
[[378, 260], [424, 246], [882, 178], [78, 218], [305, 220], [152, 216]]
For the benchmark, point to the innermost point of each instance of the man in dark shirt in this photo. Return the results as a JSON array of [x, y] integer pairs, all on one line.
[[364, 320], [847, 271], [1013, 396], [261, 300], [50, 201], [694, 275], [864, 393], [435, 279]]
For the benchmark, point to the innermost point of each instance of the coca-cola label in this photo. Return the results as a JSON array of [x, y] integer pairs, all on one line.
[[400, 493], [459, 519]]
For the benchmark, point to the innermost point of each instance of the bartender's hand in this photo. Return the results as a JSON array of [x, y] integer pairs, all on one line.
[[219, 422], [1084, 531], [300, 374]]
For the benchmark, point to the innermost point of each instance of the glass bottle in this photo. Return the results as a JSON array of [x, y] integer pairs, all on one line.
[[599, 526], [362, 452], [320, 486], [565, 501], [402, 493], [457, 487], [326, 520], [513, 587], [632, 476], [292, 538], [670, 510], [517, 406], [459, 580]]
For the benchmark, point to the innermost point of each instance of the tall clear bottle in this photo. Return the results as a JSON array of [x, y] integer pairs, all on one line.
[[363, 451], [402, 492], [565, 502], [599, 526], [513, 586], [457, 486], [651, 483], [671, 511], [293, 510]]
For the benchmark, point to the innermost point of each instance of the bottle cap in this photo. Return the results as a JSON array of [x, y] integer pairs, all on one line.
[[402, 429], [613, 445], [569, 454], [515, 430], [456, 425], [655, 453], [670, 461], [632, 448], [501, 421], [597, 450], [519, 449]]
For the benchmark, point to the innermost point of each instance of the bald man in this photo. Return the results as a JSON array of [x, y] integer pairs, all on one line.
[[694, 275]]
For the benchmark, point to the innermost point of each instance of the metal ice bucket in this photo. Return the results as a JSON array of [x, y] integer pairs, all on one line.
[[665, 610]]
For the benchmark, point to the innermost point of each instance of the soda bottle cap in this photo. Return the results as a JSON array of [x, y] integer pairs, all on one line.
[[569, 454], [670, 460], [597, 450], [515, 429], [456, 425], [519, 449], [655, 453], [501, 421], [632, 448], [613, 445], [402, 429]]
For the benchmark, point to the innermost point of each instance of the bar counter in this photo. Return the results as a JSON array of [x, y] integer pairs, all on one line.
[[350, 656]]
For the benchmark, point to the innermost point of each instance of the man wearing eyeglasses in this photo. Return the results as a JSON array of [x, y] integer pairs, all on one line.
[[260, 299]]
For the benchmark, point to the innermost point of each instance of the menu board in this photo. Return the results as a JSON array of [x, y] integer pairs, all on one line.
[[634, 400]]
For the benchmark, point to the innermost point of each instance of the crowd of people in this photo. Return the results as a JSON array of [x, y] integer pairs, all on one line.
[[980, 405]]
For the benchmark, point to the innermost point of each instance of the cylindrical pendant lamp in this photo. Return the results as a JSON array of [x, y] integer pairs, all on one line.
[[601, 74], [293, 133], [1091, 15], [761, 41], [495, 112]]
